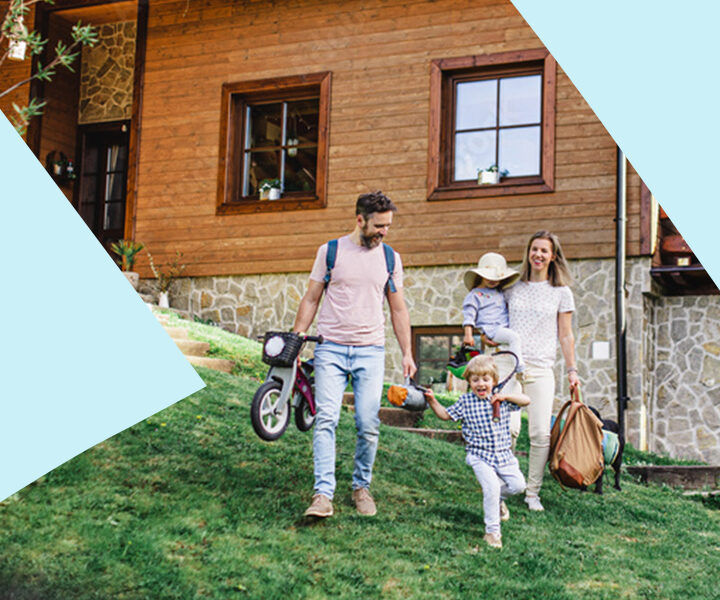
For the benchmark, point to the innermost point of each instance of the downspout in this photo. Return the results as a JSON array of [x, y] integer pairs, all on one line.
[[620, 318]]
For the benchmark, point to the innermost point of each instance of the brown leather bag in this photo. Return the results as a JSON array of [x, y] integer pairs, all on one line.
[[576, 455]]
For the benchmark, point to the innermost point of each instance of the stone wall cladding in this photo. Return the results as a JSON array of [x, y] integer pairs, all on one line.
[[106, 75], [673, 344], [685, 414]]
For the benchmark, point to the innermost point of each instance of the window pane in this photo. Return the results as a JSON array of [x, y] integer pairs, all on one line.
[[300, 167], [114, 215], [265, 125], [433, 346], [263, 165], [473, 151], [520, 100], [114, 186], [476, 104], [302, 125], [438, 373], [91, 159], [520, 151], [87, 212]]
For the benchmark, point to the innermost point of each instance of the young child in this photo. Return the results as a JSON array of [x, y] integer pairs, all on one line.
[[485, 309], [487, 443]]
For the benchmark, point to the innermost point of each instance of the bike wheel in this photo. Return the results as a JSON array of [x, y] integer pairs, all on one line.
[[304, 419], [266, 421]]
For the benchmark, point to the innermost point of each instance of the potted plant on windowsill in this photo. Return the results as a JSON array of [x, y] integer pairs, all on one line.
[[165, 275], [491, 175], [270, 189], [127, 251]]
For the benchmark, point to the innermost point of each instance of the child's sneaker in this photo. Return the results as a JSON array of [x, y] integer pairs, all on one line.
[[504, 512], [493, 540]]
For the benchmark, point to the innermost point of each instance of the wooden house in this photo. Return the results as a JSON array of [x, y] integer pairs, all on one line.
[[185, 107]]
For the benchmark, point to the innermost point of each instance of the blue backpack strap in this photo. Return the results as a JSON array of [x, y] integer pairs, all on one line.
[[390, 263], [330, 260]]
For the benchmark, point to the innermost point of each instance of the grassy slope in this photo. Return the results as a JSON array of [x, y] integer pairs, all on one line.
[[191, 504]]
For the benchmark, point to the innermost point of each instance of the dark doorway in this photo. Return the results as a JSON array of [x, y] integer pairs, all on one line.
[[101, 196]]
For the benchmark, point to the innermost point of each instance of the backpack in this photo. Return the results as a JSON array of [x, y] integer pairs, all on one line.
[[576, 449], [389, 263]]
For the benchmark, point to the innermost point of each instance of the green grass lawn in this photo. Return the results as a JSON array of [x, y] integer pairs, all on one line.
[[192, 504]]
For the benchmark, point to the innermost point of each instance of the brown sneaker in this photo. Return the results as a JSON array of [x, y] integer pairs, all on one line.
[[504, 512], [321, 507], [493, 539], [364, 502]]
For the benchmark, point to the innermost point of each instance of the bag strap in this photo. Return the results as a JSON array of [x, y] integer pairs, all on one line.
[[330, 260], [331, 257], [572, 407], [390, 264]]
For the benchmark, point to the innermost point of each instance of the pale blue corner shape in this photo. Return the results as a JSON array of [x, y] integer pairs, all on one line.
[[648, 69], [82, 357]]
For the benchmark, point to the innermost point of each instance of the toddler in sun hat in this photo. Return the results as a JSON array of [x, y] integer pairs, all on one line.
[[485, 309]]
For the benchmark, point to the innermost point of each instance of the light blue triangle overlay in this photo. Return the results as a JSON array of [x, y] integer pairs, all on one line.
[[648, 69], [81, 356]]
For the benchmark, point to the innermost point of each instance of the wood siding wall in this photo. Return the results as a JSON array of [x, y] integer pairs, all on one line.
[[12, 72], [60, 115]]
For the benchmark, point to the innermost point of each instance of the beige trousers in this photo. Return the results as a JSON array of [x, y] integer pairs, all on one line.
[[542, 395]]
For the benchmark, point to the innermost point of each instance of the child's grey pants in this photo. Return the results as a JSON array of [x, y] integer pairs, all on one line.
[[497, 484]]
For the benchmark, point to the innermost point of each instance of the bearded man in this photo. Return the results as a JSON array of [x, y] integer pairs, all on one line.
[[352, 323]]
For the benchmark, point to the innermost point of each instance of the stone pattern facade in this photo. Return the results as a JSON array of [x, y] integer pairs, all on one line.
[[106, 76], [685, 409], [673, 344]]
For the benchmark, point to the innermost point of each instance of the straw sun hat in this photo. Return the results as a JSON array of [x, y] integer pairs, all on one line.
[[491, 266]]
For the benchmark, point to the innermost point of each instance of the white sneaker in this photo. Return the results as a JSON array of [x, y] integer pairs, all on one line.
[[504, 512], [533, 503]]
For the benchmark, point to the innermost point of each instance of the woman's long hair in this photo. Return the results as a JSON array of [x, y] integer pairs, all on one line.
[[558, 271]]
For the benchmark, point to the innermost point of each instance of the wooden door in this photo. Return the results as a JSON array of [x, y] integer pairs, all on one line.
[[103, 179]]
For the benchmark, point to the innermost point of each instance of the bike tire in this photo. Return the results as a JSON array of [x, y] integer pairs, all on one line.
[[266, 424], [303, 419]]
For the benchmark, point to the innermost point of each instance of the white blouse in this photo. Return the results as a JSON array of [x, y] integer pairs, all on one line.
[[533, 307]]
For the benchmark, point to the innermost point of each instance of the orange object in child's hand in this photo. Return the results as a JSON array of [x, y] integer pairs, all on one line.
[[397, 395]]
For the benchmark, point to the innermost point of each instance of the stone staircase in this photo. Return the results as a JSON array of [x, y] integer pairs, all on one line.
[[407, 420], [193, 350]]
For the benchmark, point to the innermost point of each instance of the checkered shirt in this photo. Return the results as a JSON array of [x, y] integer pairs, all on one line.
[[489, 441]]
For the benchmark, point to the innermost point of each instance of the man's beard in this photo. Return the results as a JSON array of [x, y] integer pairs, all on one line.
[[370, 241]]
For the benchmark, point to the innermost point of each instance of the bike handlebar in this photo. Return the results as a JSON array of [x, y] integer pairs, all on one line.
[[314, 338]]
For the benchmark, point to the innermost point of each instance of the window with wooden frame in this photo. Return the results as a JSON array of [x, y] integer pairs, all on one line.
[[432, 348], [274, 132], [492, 111]]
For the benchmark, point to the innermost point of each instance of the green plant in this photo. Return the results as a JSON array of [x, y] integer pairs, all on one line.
[[268, 184], [127, 251], [171, 270], [13, 32], [494, 169]]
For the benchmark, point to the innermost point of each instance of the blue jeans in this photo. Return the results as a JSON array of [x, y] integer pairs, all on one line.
[[365, 365]]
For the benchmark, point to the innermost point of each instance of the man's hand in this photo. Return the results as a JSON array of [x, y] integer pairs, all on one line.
[[408, 365]]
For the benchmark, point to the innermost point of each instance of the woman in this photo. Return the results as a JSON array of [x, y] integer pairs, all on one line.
[[540, 307]]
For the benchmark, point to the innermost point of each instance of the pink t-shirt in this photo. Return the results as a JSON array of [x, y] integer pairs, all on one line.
[[352, 310]]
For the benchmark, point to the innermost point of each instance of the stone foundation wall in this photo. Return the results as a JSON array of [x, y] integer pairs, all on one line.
[[685, 409], [673, 344]]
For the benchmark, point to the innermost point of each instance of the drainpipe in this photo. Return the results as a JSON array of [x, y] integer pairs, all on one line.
[[620, 320]]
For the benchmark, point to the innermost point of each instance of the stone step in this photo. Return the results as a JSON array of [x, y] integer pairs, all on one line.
[[219, 364], [690, 477], [176, 333], [397, 417], [192, 347], [448, 435]]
